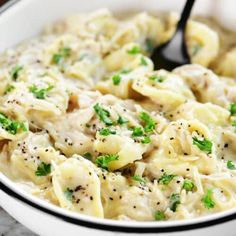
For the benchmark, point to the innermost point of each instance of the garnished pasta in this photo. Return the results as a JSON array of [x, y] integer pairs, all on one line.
[[88, 125]]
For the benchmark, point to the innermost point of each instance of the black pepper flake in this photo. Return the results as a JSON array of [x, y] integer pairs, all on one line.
[[120, 197], [226, 145], [188, 169], [91, 198], [171, 138], [111, 198], [134, 207]]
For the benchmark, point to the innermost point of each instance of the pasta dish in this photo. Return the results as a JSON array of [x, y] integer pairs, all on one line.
[[88, 125]]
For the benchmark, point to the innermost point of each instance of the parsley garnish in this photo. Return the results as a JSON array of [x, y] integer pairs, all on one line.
[[68, 194], [204, 145], [188, 185], [159, 215], [134, 50], [40, 93], [87, 155], [106, 132], [139, 179], [43, 169], [232, 109], [11, 126], [125, 71], [15, 72], [143, 61], [230, 165], [234, 123], [103, 161], [137, 132], [149, 122], [9, 89], [196, 48], [116, 79], [157, 78], [165, 179], [121, 120], [174, 201], [103, 114], [146, 140], [149, 45], [63, 53], [207, 199]]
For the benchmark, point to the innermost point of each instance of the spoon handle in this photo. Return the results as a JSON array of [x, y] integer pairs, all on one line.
[[185, 14]]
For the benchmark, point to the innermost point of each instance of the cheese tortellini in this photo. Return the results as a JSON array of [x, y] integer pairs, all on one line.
[[87, 124]]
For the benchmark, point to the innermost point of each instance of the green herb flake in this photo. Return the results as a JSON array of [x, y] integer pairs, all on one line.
[[116, 79], [63, 53], [137, 132], [68, 194], [149, 122], [103, 114], [125, 71], [174, 201], [121, 120], [146, 140], [40, 93], [103, 161], [230, 165], [139, 179], [207, 199], [234, 123], [149, 45], [143, 61], [15, 72], [166, 179], [157, 78], [106, 132], [204, 145], [9, 89], [159, 215], [87, 155], [232, 109], [134, 50], [11, 126], [188, 185], [43, 169], [195, 49]]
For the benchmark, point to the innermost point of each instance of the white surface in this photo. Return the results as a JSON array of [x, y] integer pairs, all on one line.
[[26, 19]]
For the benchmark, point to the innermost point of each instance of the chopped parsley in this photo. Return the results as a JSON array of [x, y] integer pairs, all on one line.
[[134, 50], [63, 53], [146, 140], [207, 199], [188, 185], [232, 109], [137, 132], [40, 93], [87, 155], [9, 89], [143, 61], [15, 72], [116, 79], [204, 145], [234, 123], [195, 49], [139, 179], [69, 194], [121, 120], [174, 201], [125, 71], [11, 126], [230, 165], [149, 122], [149, 45], [103, 114], [156, 78], [166, 179], [106, 132], [43, 169], [159, 215], [103, 161]]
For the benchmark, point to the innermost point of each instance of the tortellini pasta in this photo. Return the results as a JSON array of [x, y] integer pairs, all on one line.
[[87, 124]]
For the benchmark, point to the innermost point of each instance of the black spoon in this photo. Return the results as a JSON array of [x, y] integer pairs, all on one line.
[[174, 52]]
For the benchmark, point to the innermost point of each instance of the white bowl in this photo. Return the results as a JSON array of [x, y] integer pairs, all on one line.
[[23, 19]]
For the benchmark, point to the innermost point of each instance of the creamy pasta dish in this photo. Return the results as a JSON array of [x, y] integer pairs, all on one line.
[[88, 125]]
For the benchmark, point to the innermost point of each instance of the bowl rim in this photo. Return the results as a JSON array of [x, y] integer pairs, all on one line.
[[9, 188]]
